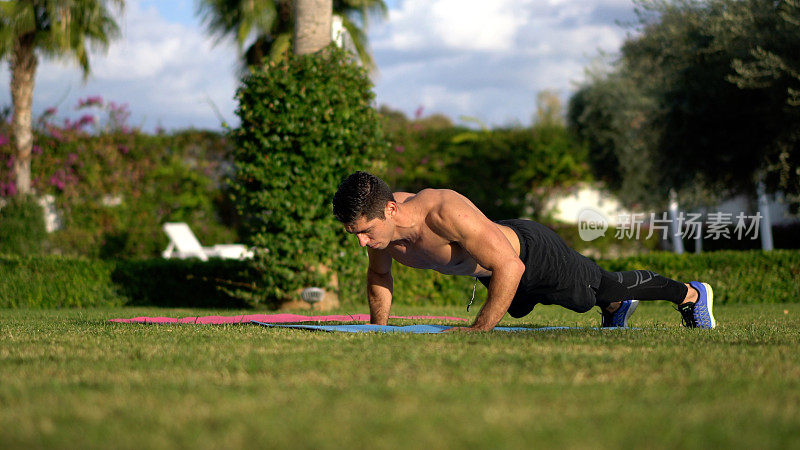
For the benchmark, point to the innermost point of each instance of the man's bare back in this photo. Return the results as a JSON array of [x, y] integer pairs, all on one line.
[[431, 250]]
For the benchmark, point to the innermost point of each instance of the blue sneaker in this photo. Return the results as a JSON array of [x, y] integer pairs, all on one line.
[[619, 318], [699, 314]]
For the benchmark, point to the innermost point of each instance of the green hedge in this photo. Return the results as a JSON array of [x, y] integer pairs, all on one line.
[[751, 276], [737, 277], [175, 283], [57, 282], [22, 228]]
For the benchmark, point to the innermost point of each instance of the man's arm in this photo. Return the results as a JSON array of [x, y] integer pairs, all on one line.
[[379, 286], [461, 222]]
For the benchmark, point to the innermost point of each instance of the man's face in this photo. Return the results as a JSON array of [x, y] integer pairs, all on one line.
[[376, 233]]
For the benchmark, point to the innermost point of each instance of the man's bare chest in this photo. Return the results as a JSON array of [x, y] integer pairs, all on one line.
[[445, 257]]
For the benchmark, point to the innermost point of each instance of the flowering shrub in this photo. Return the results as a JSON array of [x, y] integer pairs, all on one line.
[[114, 186]]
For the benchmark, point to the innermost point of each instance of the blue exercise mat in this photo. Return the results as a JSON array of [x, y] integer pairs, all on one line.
[[362, 328]]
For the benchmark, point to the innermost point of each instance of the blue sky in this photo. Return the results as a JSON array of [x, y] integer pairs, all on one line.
[[486, 60]]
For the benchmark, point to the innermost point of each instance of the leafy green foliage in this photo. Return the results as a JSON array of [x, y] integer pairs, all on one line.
[[608, 115], [55, 281], [272, 24], [187, 283], [114, 186], [305, 125], [61, 282], [60, 28], [506, 172], [22, 228], [700, 101], [736, 276]]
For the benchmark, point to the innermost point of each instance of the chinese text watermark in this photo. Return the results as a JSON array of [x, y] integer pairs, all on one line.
[[593, 224]]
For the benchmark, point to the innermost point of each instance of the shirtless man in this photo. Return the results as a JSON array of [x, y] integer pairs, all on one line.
[[521, 262]]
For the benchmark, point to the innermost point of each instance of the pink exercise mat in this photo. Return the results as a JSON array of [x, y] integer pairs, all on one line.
[[270, 318]]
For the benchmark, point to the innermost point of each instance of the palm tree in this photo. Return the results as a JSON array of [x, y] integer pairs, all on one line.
[[269, 24], [50, 28], [312, 27]]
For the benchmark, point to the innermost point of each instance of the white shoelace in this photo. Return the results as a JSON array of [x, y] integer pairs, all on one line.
[[473, 294]]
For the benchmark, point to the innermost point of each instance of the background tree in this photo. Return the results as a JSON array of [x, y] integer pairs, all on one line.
[[700, 100], [525, 165], [263, 29], [32, 28], [312, 27], [767, 34]]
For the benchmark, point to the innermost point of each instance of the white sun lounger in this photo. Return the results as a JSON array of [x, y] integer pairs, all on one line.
[[183, 244]]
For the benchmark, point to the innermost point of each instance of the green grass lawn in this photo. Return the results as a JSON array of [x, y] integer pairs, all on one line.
[[68, 378]]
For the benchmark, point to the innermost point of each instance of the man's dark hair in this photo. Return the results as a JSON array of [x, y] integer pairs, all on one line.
[[361, 194]]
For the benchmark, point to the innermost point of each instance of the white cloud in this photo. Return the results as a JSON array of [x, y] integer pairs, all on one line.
[[478, 58], [167, 73], [477, 24], [455, 24], [490, 59]]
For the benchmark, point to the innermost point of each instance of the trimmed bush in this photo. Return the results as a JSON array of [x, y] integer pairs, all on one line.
[[61, 282], [736, 276], [305, 125], [22, 228], [175, 283], [55, 282]]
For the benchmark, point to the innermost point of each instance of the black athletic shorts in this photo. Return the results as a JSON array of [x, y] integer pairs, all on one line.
[[555, 274]]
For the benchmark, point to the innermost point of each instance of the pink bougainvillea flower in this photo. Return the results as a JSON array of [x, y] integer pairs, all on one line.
[[3, 139], [94, 100], [57, 180], [55, 133], [8, 189], [86, 119]]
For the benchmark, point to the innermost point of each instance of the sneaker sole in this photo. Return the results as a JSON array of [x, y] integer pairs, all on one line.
[[631, 309], [710, 303]]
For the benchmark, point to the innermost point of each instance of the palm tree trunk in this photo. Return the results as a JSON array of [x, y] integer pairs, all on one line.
[[23, 73], [312, 26]]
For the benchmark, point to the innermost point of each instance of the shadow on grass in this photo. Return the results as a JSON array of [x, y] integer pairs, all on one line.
[[188, 283]]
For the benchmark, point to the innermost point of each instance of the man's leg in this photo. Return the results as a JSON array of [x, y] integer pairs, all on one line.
[[694, 299], [616, 287]]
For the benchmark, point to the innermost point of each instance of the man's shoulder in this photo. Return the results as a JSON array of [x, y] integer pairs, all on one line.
[[431, 195], [442, 207], [425, 194]]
